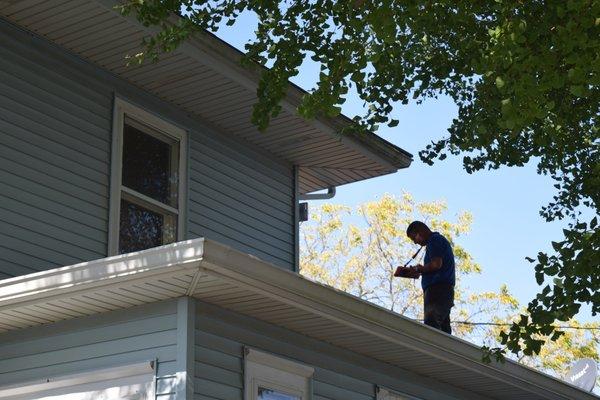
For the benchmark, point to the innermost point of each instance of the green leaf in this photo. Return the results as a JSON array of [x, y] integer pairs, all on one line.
[[334, 111], [558, 282], [539, 278], [499, 82], [577, 90]]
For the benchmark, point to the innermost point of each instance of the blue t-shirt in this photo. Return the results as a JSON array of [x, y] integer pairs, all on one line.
[[438, 246]]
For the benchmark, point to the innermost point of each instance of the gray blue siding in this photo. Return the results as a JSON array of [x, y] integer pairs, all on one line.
[[219, 359], [119, 338], [242, 201], [221, 335], [55, 139], [206, 345]]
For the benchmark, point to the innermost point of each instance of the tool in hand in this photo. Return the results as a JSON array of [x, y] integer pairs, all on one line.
[[407, 272]]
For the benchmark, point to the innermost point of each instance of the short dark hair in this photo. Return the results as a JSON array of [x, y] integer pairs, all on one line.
[[415, 227]]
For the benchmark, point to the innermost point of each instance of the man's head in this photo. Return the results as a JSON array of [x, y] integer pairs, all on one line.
[[418, 232]]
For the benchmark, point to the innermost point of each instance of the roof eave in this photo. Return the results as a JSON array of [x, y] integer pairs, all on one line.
[[378, 148]]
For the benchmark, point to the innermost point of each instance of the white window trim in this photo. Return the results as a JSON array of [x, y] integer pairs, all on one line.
[[120, 109], [139, 372], [271, 372], [388, 394]]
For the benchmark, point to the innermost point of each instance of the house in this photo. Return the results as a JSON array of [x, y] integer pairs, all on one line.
[[149, 234]]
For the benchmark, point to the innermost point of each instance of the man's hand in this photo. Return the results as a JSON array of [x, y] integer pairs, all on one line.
[[434, 265], [415, 271], [407, 272]]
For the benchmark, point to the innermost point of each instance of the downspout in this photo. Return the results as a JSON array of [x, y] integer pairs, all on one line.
[[296, 211]]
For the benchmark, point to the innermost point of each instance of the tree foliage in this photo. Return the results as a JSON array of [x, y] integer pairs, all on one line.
[[525, 76], [358, 249]]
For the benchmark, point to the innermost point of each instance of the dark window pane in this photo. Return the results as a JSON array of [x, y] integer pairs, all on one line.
[[268, 394], [141, 228], [147, 165]]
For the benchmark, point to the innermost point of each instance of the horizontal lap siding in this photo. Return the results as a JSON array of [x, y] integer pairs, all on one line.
[[238, 200], [54, 160], [102, 341], [219, 366], [55, 141]]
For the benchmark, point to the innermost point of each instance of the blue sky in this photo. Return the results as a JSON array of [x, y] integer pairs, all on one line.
[[505, 203]]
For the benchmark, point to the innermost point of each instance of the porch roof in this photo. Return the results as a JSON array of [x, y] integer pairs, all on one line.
[[227, 278]]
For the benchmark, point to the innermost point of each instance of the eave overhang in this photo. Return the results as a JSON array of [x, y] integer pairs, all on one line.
[[204, 78]]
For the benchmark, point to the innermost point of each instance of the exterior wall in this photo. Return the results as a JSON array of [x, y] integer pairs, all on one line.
[[55, 141], [199, 350], [220, 337], [55, 135], [218, 356], [240, 199], [155, 331], [115, 339]]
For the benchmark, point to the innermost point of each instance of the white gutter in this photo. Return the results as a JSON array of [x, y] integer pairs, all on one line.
[[113, 271]]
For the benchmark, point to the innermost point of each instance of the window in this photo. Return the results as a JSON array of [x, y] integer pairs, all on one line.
[[129, 382], [147, 181], [268, 377]]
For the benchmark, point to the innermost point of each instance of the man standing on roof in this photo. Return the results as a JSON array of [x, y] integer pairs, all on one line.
[[437, 273]]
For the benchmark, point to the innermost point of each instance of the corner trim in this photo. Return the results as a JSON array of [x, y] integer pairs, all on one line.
[[186, 317]]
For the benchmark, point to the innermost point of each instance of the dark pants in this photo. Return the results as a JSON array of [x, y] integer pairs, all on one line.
[[438, 300]]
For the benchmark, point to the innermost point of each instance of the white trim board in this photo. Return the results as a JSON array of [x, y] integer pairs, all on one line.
[[89, 380], [58, 283], [268, 371], [296, 368], [387, 394]]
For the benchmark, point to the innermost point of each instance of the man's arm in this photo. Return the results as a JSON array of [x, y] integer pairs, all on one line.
[[434, 265]]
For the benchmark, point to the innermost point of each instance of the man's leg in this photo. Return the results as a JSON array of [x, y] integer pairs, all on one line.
[[438, 301], [431, 310], [446, 325], [447, 302]]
